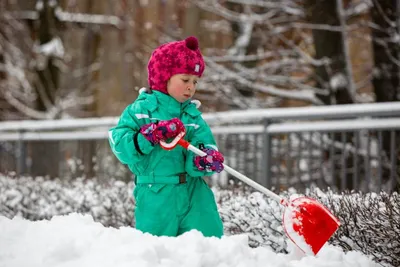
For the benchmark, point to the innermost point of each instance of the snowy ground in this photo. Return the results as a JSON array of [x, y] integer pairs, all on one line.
[[76, 240]]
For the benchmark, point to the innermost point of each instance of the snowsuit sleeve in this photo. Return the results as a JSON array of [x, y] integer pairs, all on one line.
[[126, 141], [201, 136]]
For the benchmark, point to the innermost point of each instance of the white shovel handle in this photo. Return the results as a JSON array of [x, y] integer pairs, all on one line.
[[238, 175]]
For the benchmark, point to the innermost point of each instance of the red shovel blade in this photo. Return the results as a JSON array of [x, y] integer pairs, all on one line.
[[309, 224]]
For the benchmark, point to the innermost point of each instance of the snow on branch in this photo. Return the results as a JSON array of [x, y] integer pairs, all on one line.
[[23, 15], [358, 8], [246, 58], [280, 4], [23, 107], [314, 26], [305, 94], [88, 18], [22, 88], [64, 16], [242, 42], [217, 8], [53, 48]]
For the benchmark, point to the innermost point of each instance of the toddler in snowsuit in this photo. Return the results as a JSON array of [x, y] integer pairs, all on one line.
[[171, 195]]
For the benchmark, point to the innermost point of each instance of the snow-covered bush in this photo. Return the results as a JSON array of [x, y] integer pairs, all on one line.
[[37, 199], [252, 213], [369, 223]]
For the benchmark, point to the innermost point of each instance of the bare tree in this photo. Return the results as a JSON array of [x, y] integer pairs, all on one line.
[[45, 52], [31, 71], [266, 57]]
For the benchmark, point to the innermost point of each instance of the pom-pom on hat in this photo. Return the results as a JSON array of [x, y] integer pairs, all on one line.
[[179, 57]]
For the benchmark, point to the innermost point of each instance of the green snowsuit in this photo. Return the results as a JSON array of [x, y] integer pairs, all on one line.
[[164, 204]]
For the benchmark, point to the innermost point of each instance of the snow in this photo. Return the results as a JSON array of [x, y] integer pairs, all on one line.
[[88, 18], [39, 5], [76, 240], [54, 47], [242, 42], [338, 81], [289, 221]]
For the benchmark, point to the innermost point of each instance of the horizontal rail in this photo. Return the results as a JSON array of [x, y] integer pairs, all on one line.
[[55, 136], [335, 126], [313, 112], [276, 128], [32, 125], [242, 129]]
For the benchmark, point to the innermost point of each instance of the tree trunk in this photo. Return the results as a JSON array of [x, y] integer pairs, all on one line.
[[4, 106], [191, 20], [386, 51], [333, 76], [46, 87], [90, 87], [329, 44]]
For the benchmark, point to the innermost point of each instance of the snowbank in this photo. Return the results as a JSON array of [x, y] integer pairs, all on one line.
[[76, 240]]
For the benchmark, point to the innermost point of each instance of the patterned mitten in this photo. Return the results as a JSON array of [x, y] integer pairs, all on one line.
[[163, 130], [211, 162]]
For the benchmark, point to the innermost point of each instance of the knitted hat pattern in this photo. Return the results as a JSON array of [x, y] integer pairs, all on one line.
[[179, 57]]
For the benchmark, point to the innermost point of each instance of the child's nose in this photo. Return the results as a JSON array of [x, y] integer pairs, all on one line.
[[191, 86]]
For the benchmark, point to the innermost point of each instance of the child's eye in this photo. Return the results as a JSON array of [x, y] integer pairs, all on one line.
[[185, 80], [195, 82]]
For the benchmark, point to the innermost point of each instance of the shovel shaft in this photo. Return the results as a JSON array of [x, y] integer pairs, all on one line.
[[253, 184], [303, 217], [235, 173]]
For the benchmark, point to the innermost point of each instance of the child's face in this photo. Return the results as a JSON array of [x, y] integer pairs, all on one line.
[[182, 86]]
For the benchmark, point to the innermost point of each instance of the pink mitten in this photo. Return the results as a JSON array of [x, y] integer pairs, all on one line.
[[211, 162], [163, 130]]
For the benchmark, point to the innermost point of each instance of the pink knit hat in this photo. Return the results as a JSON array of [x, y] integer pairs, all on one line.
[[180, 57]]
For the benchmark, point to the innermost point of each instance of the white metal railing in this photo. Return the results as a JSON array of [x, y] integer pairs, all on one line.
[[268, 130], [273, 128], [298, 113]]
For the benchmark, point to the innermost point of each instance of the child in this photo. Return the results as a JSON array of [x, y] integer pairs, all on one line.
[[171, 195]]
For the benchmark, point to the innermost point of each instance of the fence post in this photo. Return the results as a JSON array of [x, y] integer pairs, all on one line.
[[20, 154], [267, 156]]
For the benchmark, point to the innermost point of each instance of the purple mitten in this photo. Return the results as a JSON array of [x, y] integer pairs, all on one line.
[[211, 162], [163, 130]]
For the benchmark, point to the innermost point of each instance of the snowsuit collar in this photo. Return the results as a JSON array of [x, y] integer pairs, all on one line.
[[168, 103]]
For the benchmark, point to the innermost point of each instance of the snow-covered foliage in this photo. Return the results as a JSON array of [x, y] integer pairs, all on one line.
[[36, 199], [369, 223], [254, 214]]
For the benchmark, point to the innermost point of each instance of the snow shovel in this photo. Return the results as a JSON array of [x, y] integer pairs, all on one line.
[[306, 222]]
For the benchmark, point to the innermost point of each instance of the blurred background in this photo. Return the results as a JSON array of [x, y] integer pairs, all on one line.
[[292, 88]]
